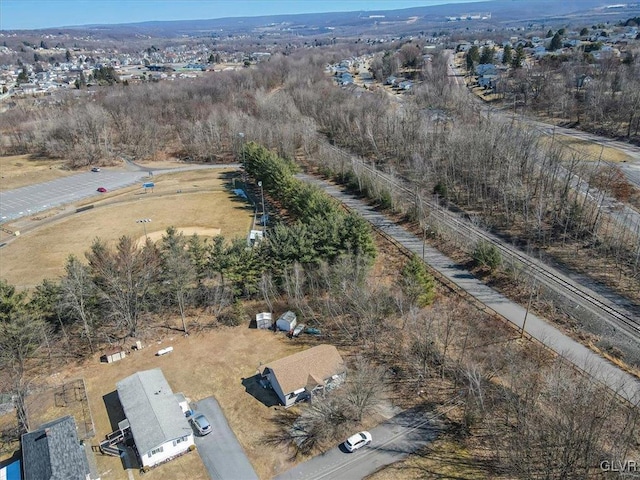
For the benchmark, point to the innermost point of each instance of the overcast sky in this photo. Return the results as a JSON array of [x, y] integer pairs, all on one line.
[[32, 14]]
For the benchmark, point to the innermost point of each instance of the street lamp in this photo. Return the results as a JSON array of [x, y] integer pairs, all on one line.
[[244, 164], [144, 222]]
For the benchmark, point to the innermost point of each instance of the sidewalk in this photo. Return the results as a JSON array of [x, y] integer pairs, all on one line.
[[621, 382]]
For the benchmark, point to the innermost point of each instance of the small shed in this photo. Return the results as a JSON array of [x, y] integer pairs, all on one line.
[[113, 355], [287, 321], [264, 320]]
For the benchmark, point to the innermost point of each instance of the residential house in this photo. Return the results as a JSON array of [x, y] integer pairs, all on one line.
[[486, 69], [301, 375], [345, 79], [488, 81], [53, 452], [157, 419]]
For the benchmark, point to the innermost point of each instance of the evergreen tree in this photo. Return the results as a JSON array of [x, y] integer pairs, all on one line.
[[487, 56], [417, 283], [472, 57], [507, 55], [519, 57], [556, 42], [550, 34], [22, 77]]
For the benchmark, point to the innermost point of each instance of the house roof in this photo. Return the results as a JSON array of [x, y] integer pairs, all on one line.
[[308, 368], [152, 409], [54, 452]]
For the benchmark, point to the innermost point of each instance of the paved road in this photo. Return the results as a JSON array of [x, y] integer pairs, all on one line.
[[55, 193], [393, 440], [220, 451], [626, 385]]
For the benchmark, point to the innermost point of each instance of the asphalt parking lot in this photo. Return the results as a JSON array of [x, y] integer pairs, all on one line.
[[221, 453], [43, 196]]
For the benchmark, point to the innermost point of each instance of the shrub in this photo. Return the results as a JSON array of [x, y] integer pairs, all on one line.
[[487, 255]]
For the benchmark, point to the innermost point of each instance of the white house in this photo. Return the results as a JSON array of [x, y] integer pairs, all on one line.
[[158, 424], [303, 374]]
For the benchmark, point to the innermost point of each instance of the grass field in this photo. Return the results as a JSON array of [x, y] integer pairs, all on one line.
[[20, 170], [224, 357], [204, 205], [589, 151], [211, 361]]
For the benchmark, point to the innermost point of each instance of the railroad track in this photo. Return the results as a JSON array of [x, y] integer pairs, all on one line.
[[618, 318]]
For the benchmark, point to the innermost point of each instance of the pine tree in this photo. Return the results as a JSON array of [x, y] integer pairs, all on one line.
[[556, 42], [519, 57], [507, 55]]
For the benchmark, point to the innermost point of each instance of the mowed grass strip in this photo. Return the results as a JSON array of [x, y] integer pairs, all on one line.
[[204, 205], [20, 170]]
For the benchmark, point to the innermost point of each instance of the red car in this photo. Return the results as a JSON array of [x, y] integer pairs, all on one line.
[[102, 190]]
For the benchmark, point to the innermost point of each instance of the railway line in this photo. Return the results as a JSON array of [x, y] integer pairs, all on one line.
[[616, 316]]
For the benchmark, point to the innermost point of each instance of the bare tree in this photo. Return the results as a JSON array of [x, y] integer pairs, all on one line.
[[124, 278], [178, 273], [79, 296], [365, 387]]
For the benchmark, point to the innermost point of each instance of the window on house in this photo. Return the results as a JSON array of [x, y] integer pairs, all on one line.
[[180, 440], [156, 450]]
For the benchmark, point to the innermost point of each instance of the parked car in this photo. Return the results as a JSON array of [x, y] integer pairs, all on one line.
[[201, 424], [102, 190], [359, 440], [95, 169], [298, 330]]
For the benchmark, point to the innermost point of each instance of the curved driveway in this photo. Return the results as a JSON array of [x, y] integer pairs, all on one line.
[[62, 191]]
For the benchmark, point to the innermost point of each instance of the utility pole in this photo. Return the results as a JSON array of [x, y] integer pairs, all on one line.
[[526, 313]]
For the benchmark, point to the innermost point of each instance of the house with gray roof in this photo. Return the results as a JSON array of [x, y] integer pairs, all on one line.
[[303, 374], [158, 424], [53, 452]]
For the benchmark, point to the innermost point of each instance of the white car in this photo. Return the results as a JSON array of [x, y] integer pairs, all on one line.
[[359, 440]]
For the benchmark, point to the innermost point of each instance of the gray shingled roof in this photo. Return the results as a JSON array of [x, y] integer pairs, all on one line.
[[152, 409], [53, 452]]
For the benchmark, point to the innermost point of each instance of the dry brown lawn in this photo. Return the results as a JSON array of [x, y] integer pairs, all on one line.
[[208, 362], [203, 205], [20, 170], [589, 151]]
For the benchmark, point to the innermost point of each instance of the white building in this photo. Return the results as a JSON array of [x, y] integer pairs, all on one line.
[[156, 415]]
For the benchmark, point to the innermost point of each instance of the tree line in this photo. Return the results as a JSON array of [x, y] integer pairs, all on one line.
[[115, 292]]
